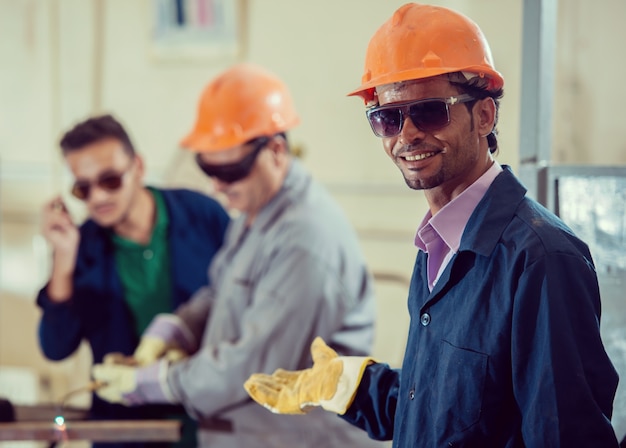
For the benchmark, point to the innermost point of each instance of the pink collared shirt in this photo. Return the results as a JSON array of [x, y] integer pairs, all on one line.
[[440, 235]]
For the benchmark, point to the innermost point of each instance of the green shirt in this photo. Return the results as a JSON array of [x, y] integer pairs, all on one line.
[[144, 270]]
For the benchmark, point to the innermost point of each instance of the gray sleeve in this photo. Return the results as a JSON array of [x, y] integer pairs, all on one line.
[[298, 297], [195, 312]]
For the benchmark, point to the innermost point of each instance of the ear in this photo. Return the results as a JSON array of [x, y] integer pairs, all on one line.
[[278, 146], [486, 110], [140, 166]]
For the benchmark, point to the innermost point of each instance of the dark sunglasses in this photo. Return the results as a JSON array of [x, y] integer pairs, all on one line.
[[429, 114], [233, 172], [109, 181]]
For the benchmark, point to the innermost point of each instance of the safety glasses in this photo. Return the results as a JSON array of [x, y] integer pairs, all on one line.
[[233, 172], [429, 114], [108, 181]]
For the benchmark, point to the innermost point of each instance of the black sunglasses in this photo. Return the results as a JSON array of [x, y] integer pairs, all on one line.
[[233, 172], [429, 114], [109, 181]]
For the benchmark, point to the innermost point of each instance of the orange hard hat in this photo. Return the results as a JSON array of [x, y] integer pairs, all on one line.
[[244, 102], [420, 41]]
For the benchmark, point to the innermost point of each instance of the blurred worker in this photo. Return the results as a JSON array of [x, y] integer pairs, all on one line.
[[504, 345], [142, 251], [291, 268]]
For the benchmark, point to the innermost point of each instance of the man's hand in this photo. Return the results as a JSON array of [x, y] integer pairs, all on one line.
[[166, 337], [120, 382], [124, 381], [60, 232], [152, 348], [331, 383]]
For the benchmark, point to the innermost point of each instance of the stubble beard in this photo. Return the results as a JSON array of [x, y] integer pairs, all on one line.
[[424, 184]]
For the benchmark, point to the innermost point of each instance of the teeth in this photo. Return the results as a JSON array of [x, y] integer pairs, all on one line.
[[419, 156]]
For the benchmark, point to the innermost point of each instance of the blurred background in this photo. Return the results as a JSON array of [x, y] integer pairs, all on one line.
[[146, 62]]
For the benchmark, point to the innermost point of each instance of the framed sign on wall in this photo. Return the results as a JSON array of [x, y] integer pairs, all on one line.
[[196, 30]]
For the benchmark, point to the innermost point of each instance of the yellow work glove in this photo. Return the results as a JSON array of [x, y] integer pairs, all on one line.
[[118, 379], [166, 337], [152, 348], [331, 383], [119, 358]]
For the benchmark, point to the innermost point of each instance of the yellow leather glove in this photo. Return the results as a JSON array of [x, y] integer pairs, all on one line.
[[175, 355], [167, 336], [151, 348], [118, 379], [331, 383], [119, 358]]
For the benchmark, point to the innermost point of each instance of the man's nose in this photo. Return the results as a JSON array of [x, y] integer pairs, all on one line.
[[410, 132]]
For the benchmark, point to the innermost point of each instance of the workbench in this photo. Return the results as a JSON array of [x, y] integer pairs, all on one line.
[[38, 423]]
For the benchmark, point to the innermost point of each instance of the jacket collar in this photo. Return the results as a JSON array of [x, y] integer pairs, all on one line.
[[493, 213]]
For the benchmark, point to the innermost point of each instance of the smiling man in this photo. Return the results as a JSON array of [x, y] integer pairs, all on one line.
[[504, 345], [142, 251]]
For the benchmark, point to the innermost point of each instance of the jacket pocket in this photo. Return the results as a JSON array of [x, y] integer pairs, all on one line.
[[456, 393]]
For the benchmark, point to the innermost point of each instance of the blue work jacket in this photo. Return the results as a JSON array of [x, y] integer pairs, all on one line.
[[506, 349], [97, 311]]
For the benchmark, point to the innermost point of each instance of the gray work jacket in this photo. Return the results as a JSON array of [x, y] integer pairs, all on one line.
[[296, 273]]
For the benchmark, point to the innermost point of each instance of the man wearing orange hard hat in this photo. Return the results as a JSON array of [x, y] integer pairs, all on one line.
[[504, 345], [290, 268]]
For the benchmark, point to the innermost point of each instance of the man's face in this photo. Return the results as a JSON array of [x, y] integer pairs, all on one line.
[[95, 167], [250, 193], [446, 160]]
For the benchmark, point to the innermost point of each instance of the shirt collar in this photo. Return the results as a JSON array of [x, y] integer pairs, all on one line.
[[161, 223], [449, 223]]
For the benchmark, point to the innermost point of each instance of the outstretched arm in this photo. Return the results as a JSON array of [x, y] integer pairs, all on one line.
[[331, 383]]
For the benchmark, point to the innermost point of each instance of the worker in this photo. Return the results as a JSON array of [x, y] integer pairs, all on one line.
[[504, 346], [141, 251], [291, 268]]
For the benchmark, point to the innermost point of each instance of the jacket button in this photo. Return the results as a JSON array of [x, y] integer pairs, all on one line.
[[411, 394], [425, 319]]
